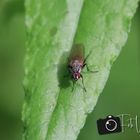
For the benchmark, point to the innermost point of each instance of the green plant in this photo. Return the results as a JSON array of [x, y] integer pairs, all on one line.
[[51, 110]]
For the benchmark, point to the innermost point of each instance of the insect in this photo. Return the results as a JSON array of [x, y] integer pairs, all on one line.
[[77, 62]]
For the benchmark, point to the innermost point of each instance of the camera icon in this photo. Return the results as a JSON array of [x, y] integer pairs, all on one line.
[[109, 125]]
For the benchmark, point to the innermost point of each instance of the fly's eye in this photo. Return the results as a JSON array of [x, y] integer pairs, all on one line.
[[76, 76]]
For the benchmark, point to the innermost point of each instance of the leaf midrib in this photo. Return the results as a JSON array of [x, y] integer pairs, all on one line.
[[57, 69]]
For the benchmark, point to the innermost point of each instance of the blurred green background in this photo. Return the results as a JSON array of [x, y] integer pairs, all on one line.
[[121, 94]]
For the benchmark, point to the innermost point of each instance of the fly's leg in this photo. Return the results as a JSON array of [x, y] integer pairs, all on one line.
[[83, 83], [73, 85], [87, 57], [85, 64], [74, 82], [88, 69]]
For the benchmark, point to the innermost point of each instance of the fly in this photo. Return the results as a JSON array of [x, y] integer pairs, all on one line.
[[77, 62]]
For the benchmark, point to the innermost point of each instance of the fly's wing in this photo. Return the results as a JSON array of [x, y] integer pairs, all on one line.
[[77, 52]]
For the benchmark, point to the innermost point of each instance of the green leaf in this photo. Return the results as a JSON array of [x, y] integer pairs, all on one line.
[[52, 111]]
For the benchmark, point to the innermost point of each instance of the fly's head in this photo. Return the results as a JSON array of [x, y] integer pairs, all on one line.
[[76, 76], [75, 70]]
